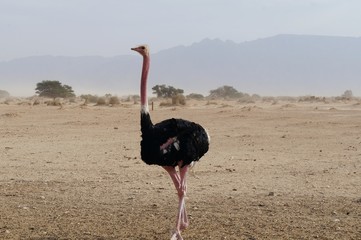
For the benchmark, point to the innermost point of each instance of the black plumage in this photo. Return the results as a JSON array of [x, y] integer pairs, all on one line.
[[188, 141]]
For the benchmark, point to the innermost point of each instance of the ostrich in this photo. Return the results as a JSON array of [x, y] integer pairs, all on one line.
[[171, 143]]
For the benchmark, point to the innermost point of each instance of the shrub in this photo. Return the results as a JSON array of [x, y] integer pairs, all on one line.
[[101, 101], [195, 96], [165, 104], [89, 98], [55, 102], [114, 100], [36, 102], [178, 99]]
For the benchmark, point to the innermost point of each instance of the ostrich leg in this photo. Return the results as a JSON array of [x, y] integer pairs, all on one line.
[[182, 213], [180, 184]]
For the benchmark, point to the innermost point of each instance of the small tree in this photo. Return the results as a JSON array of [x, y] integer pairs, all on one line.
[[53, 89], [166, 91], [347, 94], [225, 91]]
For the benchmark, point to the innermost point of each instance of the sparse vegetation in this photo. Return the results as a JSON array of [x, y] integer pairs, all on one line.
[[132, 98], [312, 99], [108, 99], [223, 93]]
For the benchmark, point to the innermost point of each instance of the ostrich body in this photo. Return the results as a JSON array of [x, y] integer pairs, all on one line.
[[171, 143]]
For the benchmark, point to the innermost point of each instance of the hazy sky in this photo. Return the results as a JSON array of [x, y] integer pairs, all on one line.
[[111, 27]]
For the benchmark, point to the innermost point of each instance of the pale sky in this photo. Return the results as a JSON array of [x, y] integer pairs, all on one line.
[[111, 27]]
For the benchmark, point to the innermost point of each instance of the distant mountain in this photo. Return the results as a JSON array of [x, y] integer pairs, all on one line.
[[279, 65]]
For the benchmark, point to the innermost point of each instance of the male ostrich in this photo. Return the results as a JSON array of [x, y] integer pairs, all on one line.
[[170, 143]]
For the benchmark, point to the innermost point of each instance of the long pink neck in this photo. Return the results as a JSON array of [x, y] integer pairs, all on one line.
[[143, 84]]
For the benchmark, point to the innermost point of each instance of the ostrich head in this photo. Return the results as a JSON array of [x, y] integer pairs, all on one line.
[[142, 49]]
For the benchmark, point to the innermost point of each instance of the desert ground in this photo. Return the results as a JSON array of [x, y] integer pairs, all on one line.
[[275, 170]]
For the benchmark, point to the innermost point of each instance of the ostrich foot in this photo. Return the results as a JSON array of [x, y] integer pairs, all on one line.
[[176, 235], [183, 225]]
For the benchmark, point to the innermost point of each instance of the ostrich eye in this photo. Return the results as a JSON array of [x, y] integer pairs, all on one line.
[[142, 47]]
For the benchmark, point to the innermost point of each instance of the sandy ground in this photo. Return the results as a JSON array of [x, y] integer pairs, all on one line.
[[274, 171]]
